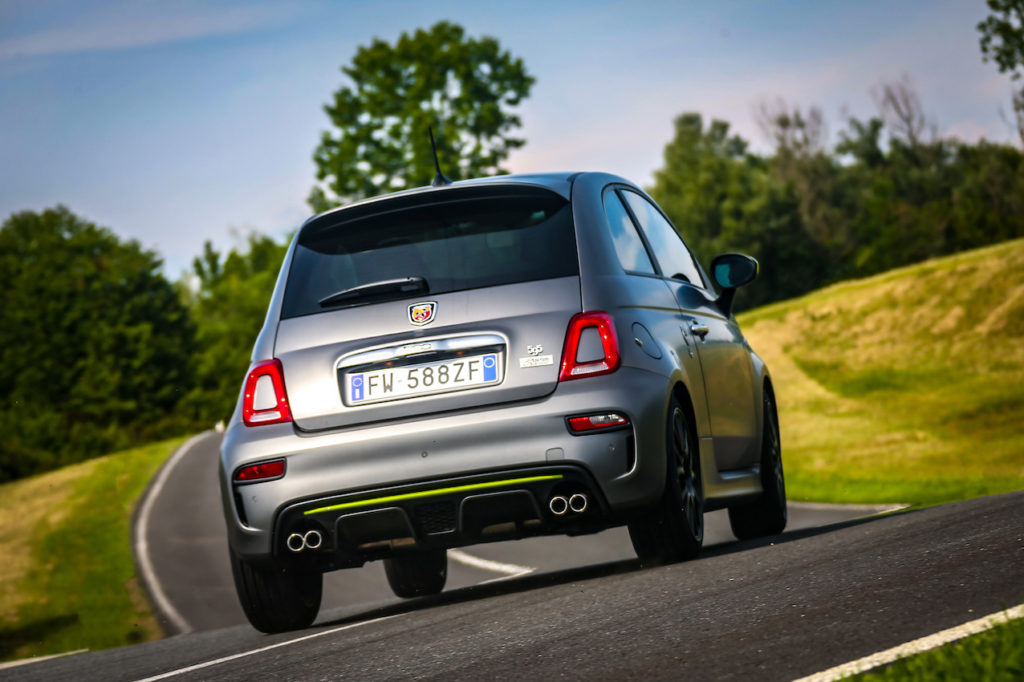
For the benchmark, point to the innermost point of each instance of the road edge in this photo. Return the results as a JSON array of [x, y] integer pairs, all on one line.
[[920, 645], [170, 621]]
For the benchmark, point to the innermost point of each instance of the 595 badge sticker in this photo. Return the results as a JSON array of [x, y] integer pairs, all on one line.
[[536, 359]]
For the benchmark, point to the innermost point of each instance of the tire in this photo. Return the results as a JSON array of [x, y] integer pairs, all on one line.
[[277, 599], [674, 529], [768, 515], [417, 574]]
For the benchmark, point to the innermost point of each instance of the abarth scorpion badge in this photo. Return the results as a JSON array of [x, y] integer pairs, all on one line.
[[422, 313]]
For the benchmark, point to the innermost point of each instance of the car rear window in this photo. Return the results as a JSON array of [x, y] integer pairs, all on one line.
[[457, 239]]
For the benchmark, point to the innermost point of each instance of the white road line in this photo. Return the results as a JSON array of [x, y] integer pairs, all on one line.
[[867, 508], [509, 570], [915, 647], [39, 659], [253, 652], [142, 529]]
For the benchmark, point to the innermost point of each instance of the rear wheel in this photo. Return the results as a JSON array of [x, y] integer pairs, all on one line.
[[277, 599], [418, 573], [674, 529], [768, 515]]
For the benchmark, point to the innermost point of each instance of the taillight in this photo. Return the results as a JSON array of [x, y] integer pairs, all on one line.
[[265, 400], [572, 368], [260, 472]]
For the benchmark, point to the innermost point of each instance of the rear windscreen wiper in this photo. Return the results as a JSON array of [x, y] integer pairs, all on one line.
[[385, 288]]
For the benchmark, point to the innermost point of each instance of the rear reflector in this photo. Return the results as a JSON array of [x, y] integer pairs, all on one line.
[[602, 322], [596, 422], [265, 400], [260, 472]]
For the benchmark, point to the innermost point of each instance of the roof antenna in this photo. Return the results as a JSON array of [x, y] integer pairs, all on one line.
[[439, 180]]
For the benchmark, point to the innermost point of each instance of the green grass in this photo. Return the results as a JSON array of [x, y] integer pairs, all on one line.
[[67, 580], [904, 387], [995, 655]]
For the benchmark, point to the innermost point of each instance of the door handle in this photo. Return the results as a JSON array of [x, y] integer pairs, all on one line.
[[699, 329]]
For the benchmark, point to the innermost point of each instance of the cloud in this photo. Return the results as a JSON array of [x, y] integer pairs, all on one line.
[[138, 25]]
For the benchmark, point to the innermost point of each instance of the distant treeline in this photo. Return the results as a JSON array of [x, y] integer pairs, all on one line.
[[888, 194], [100, 351]]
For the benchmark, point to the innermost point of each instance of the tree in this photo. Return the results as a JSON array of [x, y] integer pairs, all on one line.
[[813, 216], [899, 106], [792, 131], [1002, 40], [1002, 36], [95, 345], [229, 307], [721, 198], [463, 87], [807, 174], [701, 177]]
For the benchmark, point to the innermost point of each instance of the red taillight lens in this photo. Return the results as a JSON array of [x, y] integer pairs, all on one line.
[[596, 422], [265, 400], [259, 472], [571, 368]]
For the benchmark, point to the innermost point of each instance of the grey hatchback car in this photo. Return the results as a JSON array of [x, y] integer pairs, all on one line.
[[489, 360]]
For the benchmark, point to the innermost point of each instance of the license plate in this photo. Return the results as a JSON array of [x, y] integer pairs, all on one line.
[[414, 380]]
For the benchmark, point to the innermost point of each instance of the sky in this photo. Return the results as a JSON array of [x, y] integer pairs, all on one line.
[[173, 123]]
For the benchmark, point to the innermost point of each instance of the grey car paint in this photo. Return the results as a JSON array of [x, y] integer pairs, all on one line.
[[332, 449]]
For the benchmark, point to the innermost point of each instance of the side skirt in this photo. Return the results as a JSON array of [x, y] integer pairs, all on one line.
[[726, 488]]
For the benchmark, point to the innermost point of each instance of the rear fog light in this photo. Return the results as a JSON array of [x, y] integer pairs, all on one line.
[[260, 472], [597, 422]]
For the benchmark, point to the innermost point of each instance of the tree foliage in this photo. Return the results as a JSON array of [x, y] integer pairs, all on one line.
[[721, 198], [228, 308], [886, 195], [1002, 41], [1002, 36], [95, 345], [464, 87]]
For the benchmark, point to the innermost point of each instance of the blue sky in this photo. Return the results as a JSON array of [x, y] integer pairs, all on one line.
[[176, 122]]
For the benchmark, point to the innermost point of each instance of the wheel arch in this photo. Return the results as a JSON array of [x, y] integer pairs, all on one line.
[[681, 392], [705, 450], [767, 389]]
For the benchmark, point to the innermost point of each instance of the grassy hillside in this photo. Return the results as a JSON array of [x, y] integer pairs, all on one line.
[[67, 578], [904, 387]]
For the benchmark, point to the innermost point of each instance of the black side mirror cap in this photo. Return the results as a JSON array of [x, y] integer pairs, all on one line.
[[732, 270]]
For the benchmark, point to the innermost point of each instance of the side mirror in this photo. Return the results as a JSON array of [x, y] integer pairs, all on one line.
[[732, 270]]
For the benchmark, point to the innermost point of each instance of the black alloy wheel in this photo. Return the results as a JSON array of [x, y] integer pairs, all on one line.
[[687, 471], [674, 529], [277, 598]]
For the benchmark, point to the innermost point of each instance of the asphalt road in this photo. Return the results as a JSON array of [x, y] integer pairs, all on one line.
[[777, 608]]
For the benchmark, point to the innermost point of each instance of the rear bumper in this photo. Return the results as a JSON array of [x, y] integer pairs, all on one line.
[[355, 473], [355, 527]]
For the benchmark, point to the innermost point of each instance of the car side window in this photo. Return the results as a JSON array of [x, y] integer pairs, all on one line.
[[674, 257], [629, 247]]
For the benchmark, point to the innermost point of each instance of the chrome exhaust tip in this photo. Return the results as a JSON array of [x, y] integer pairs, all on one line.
[[296, 542], [578, 503], [313, 539], [558, 505]]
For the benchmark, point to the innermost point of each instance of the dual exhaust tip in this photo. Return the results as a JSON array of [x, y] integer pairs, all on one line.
[[560, 505], [311, 539]]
